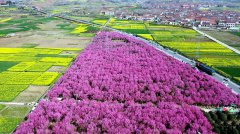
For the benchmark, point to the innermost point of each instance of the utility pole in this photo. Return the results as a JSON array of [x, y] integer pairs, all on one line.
[[198, 46]]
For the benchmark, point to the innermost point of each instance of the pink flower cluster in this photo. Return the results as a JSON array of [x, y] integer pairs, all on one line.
[[120, 68], [70, 117], [119, 84]]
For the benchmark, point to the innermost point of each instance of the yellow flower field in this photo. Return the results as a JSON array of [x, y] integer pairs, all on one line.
[[5, 20], [81, 28], [146, 36]]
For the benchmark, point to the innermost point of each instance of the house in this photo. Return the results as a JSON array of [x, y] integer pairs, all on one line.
[[186, 6], [208, 22], [3, 2], [230, 24], [108, 12]]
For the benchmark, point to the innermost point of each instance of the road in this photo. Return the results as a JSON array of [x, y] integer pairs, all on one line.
[[235, 88], [13, 103], [231, 85]]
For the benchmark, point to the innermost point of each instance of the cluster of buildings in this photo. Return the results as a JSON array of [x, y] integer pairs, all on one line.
[[8, 2], [205, 15]]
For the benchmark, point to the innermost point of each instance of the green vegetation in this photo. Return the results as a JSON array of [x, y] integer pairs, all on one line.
[[5, 65], [187, 42], [28, 66], [84, 29], [9, 92], [226, 37], [233, 71], [224, 122], [11, 116], [15, 111], [136, 31], [100, 21], [236, 33], [29, 45], [24, 78], [2, 107], [8, 124], [133, 27], [22, 67], [66, 26], [22, 24], [56, 55], [39, 67], [46, 78]]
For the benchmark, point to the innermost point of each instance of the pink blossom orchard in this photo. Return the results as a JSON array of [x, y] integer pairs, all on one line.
[[69, 116], [120, 68], [119, 84]]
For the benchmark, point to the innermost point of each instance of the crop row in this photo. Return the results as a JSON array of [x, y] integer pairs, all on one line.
[[5, 20], [207, 48], [100, 21], [22, 67], [84, 29], [46, 78], [9, 92], [27, 51], [7, 124], [127, 86], [26, 78]]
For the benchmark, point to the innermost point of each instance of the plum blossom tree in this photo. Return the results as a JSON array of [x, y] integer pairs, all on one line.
[[127, 86]]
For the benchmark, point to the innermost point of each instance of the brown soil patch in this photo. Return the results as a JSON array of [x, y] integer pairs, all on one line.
[[59, 69], [31, 94], [48, 37]]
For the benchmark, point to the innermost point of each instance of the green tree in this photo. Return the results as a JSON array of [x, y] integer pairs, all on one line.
[[216, 130], [223, 117], [235, 131], [214, 116]]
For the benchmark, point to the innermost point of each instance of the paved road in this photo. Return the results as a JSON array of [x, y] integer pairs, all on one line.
[[12, 103], [231, 85]]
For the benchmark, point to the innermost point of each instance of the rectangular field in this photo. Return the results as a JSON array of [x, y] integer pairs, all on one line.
[[29, 66]]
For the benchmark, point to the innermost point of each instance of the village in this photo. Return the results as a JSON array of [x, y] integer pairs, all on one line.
[[202, 15], [205, 15]]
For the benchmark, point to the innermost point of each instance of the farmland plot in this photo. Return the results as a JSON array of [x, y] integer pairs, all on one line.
[[26, 77]]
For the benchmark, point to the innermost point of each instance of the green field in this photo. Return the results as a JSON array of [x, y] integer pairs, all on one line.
[[82, 30], [230, 38], [15, 25], [189, 43], [8, 124], [28, 66], [11, 116], [236, 33], [22, 68]]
